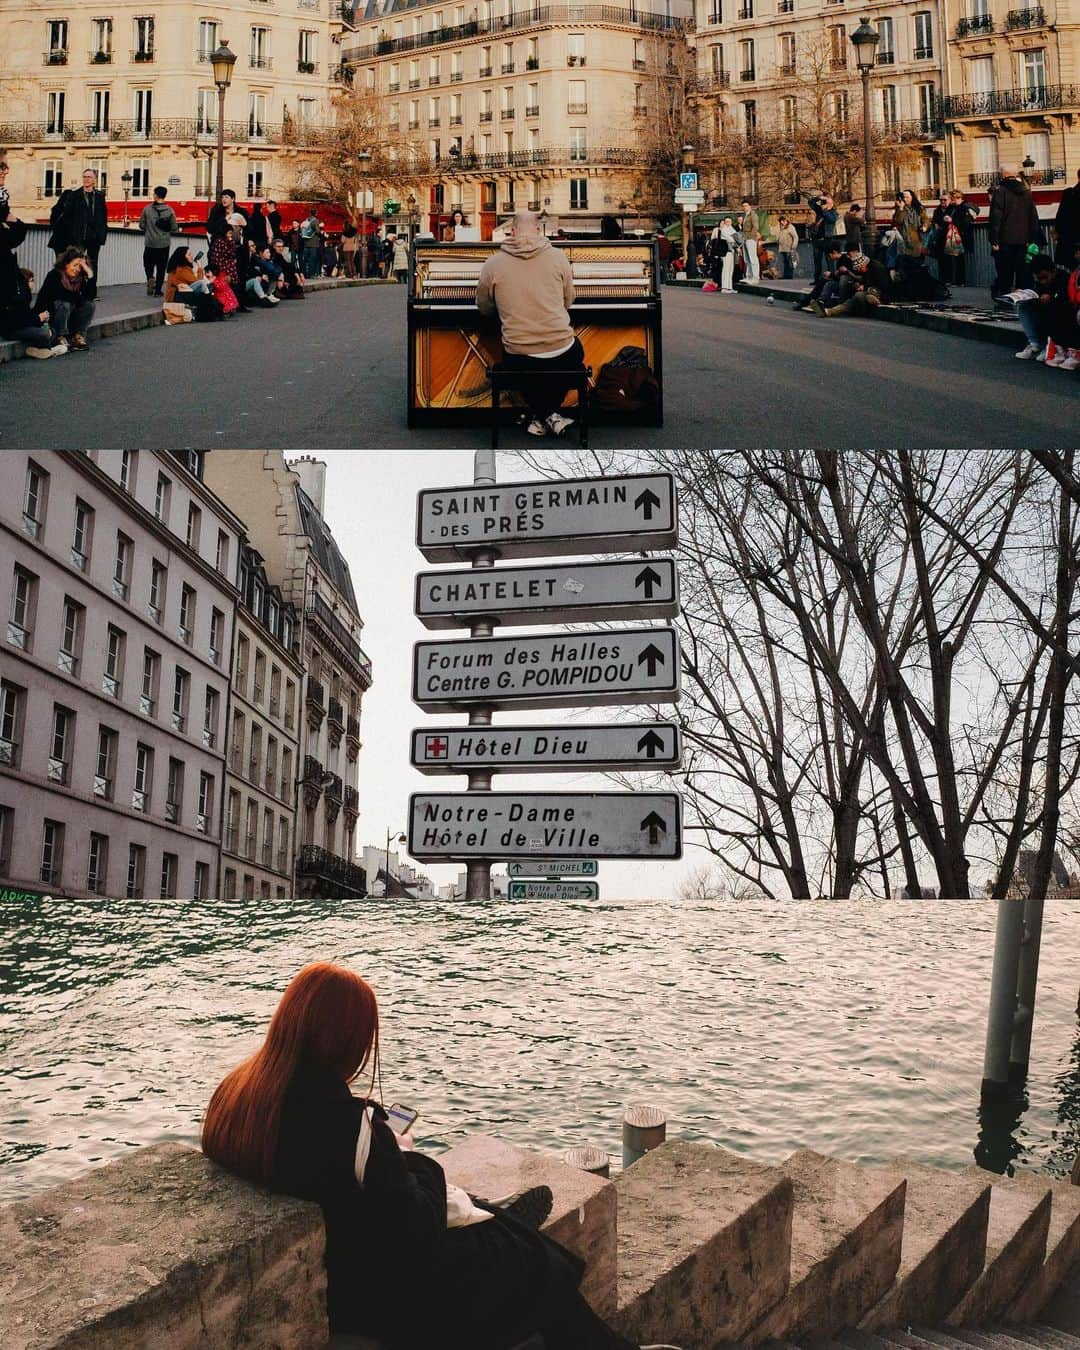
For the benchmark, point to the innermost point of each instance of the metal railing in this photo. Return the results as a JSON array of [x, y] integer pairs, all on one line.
[[530, 18], [974, 23], [1034, 177], [166, 129], [316, 693], [320, 612], [1033, 17], [336, 714], [1040, 98], [321, 864], [352, 728]]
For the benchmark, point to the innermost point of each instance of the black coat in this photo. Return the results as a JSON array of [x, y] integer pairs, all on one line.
[[962, 214], [1013, 217], [80, 219], [274, 217], [394, 1270], [53, 289], [217, 222], [16, 310], [1067, 221]]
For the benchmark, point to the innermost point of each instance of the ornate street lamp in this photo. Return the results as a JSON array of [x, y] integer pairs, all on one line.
[[363, 160], [401, 839], [222, 60], [125, 178], [865, 40]]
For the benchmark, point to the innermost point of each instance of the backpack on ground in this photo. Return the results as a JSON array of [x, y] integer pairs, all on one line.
[[626, 383]]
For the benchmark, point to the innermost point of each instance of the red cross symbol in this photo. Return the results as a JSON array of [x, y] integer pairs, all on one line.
[[435, 747]]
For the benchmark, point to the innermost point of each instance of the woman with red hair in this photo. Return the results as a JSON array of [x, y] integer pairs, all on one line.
[[409, 1259]]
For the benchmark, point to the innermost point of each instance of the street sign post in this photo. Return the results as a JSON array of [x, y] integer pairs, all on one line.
[[605, 748], [459, 826], [549, 593], [624, 513], [553, 890], [688, 181], [548, 670], [552, 868]]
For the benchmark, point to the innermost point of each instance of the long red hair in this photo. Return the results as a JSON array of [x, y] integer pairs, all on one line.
[[328, 1016]]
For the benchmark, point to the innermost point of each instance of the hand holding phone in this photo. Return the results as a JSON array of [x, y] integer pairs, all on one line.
[[400, 1118]]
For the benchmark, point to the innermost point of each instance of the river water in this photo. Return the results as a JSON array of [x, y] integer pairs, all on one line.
[[855, 1028]]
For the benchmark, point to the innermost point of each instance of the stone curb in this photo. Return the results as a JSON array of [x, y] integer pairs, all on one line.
[[136, 320]]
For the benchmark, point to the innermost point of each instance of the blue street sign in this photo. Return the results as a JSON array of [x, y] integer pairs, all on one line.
[[688, 182]]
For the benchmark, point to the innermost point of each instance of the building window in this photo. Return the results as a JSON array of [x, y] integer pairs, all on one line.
[[217, 630], [236, 744], [150, 674], [206, 803], [579, 150], [52, 179], [54, 112], [140, 170], [181, 690], [788, 115], [61, 744], [128, 464], [206, 102], [100, 100], [7, 830], [260, 48], [56, 42], [187, 614], [927, 95], [201, 888], [260, 677], [82, 535], [306, 52], [210, 719], [838, 108], [12, 702], [23, 603], [101, 34], [579, 194], [144, 774], [136, 871], [267, 853], [240, 677], [1033, 73], [249, 886], [52, 852], [252, 825], [144, 38], [286, 787], [577, 101], [97, 864], [162, 494], [838, 41], [114, 662], [575, 49], [283, 844], [257, 116], [105, 769], [745, 10], [787, 53], [222, 555], [158, 580], [122, 566], [746, 59], [924, 35], [35, 499], [256, 178], [71, 637], [229, 884], [255, 752], [208, 38], [886, 52], [174, 791], [748, 117]]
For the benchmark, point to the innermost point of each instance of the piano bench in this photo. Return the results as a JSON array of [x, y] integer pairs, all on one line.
[[511, 381]]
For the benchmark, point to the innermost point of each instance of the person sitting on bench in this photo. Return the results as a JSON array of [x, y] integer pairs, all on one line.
[[529, 285]]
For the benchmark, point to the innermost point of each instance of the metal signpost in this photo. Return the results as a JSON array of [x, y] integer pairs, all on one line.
[[549, 839], [551, 869], [553, 890], [456, 826], [550, 670], [628, 513], [593, 592], [606, 747]]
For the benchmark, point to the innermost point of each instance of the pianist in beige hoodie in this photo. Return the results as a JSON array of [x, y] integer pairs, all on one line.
[[529, 285]]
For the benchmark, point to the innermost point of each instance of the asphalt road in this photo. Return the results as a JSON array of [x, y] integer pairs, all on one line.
[[330, 372]]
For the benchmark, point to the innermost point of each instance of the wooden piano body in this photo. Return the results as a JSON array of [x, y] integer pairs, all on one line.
[[451, 344]]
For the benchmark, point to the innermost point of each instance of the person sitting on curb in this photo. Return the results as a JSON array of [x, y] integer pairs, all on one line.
[[19, 321], [859, 288], [1049, 320], [291, 283], [529, 286], [263, 279], [410, 1258], [66, 295], [834, 262]]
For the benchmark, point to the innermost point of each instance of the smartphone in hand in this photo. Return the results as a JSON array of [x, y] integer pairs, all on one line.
[[400, 1118]]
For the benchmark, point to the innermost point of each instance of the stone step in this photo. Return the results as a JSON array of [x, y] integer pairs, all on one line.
[[583, 1211], [704, 1244], [944, 1246], [1052, 1336], [1015, 1249], [934, 1338], [1062, 1248], [988, 1338], [846, 1238], [853, 1339]]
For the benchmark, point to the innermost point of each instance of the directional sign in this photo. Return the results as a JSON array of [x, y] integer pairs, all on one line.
[[550, 868], [688, 181], [549, 519], [683, 196], [458, 826], [549, 593], [548, 749], [550, 670], [553, 890]]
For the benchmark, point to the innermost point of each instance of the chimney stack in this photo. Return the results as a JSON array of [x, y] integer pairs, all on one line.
[[312, 475]]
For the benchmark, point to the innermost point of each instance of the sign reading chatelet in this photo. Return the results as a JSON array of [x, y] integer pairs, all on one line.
[[606, 747], [552, 868], [618, 665], [553, 890], [458, 826], [623, 513], [551, 593]]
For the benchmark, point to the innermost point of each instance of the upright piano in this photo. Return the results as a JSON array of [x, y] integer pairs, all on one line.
[[451, 344]]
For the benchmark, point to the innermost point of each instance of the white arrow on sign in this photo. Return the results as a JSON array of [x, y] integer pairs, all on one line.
[[548, 749], [553, 890], [550, 670], [458, 826], [549, 593], [549, 519], [549, 868]]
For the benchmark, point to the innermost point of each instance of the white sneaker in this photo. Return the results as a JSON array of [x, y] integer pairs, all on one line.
[[1071, 362], [1032, 349], [536, 428], [557, 423], [273, 299], [1058, 359], [1044, 353], [60, 349], [39, 353]]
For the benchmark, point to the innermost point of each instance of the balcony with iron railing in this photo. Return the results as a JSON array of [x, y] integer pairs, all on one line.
[[1033, 17], [536, 16], [321, 615], [55, 56], [1037, 99], [179, 129], [533, 110], [335, 714], [972, 25], [1034, 177], [315, 693], [352, 801], [328, 875]]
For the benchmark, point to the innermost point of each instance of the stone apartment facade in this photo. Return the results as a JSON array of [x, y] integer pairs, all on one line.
[[263, 746], [117, 594], [282, 504], [127, 86]]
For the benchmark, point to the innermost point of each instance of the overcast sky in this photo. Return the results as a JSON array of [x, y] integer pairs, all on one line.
[[371, 508]]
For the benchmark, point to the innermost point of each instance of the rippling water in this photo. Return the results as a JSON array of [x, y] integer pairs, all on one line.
[[854, 1028]]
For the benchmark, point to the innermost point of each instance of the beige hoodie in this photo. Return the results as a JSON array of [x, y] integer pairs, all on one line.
[[529, 285]]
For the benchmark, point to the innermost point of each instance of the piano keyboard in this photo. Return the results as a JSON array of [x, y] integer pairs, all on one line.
[[448, 277]]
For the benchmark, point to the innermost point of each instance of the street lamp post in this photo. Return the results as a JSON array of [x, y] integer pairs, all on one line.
[[401, 839], [222, 60], [363, 159], [865, 40], [689, 250], [125, 178], [414, 216]]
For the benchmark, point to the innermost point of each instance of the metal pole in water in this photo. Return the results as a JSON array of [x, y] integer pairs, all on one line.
[[587, 1159], [1003, 984], [478, 874], [1027, 979], [644, 1128]]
